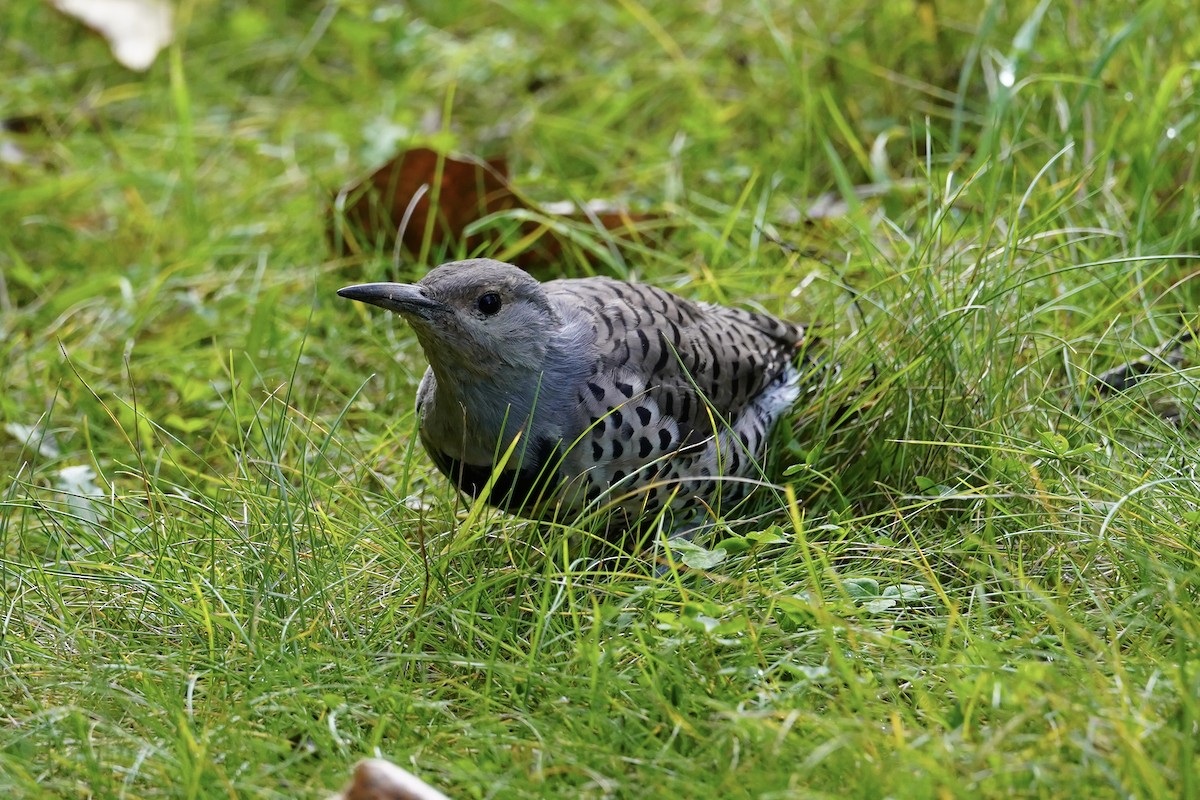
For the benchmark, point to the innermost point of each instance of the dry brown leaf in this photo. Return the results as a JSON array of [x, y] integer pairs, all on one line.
[[396, 201]]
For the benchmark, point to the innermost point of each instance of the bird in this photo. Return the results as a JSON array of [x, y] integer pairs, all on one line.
[[572, 395]]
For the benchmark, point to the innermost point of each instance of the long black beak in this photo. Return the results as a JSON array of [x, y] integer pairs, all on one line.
[[403, 298]]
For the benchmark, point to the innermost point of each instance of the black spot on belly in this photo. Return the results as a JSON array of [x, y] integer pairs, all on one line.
[[519, 491], [645, 448]]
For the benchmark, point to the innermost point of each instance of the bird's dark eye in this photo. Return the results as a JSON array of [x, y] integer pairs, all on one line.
[[488, 304]]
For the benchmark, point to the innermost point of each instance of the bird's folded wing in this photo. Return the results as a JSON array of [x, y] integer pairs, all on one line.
[[683, 356]]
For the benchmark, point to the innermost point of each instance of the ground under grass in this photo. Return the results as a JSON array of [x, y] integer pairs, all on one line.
[[228, 570]]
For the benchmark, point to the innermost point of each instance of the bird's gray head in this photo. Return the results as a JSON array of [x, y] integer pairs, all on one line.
[[471, 316]]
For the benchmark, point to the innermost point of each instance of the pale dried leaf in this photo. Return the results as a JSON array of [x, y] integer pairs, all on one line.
[[77, 483], [33, 436], [11, 154], [377, 779], [136, 30]]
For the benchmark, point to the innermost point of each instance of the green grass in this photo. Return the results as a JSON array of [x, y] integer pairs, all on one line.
[[983, 583]]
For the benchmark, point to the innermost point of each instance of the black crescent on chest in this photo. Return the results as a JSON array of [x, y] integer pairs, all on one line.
[[517, 491]]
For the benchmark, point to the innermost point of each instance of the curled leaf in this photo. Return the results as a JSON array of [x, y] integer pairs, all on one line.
[[422, 201]]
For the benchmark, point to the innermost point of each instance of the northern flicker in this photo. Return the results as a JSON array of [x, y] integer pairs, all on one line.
[[593, 393]]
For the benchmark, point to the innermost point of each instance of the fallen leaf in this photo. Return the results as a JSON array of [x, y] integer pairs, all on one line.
[[396, 204], [377, 779], [23, 124], [397, 198], [136, 30], [77, 484], [1170, 354], [11, 154], [33, 436]]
